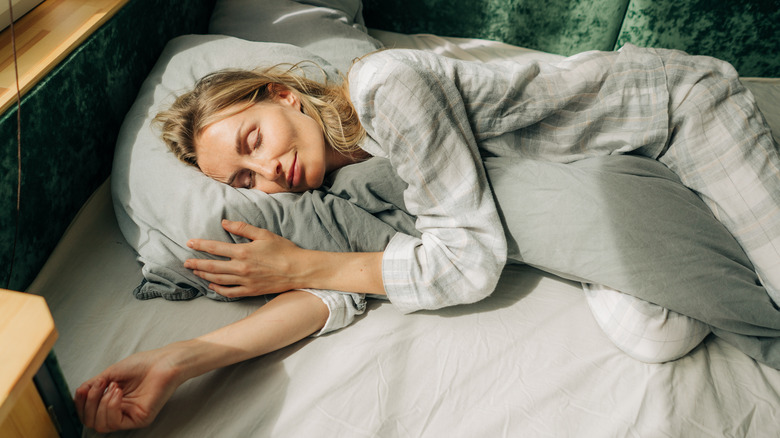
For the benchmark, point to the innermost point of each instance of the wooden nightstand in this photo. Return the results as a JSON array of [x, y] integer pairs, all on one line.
[[27, 334]]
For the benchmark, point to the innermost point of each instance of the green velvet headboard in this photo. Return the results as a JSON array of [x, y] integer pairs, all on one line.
[[70, 121], [743, 32]]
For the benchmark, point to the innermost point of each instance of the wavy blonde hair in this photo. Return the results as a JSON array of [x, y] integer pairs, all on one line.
[[224, 93]]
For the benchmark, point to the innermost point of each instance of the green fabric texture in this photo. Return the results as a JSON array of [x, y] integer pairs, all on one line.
[[564, 27], [70, 122], [744, 33]]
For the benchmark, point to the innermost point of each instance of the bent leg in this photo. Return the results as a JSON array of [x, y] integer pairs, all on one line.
[[645, 331], [721, 147]]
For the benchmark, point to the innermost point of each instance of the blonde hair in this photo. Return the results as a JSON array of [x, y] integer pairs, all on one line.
[[325, 102]]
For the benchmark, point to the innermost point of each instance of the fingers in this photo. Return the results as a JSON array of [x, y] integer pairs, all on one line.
[[220, 279], [216, 267], [109, 413], [87, 399], [230, 250], [235, 288], [99, 406], [235, 291], [81, 398], [214, 247], [243, 229]]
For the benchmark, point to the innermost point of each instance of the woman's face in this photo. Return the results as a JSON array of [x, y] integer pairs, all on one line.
[[271, 146]]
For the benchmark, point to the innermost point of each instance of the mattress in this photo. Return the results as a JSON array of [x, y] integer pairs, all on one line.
[[528, 361]]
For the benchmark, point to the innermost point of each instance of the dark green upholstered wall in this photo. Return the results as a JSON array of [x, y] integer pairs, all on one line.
[[70, 122], [744, 32], [558, 26]]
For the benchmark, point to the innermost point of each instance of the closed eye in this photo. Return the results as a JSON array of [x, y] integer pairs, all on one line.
[[258, 140]]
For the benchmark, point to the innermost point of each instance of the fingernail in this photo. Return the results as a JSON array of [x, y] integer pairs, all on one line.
[[190, 243]]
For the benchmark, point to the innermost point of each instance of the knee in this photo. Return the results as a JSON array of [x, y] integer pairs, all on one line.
[[645, 331]]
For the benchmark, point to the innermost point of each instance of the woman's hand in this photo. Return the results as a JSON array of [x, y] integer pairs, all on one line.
[[268, 264], [128, 394]]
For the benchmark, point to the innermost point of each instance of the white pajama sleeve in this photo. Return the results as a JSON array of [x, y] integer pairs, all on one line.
[[343, 307], [416, 117]]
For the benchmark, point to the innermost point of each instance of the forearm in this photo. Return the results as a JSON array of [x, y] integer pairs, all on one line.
[[358, 272], [130, 393], [285, 320]]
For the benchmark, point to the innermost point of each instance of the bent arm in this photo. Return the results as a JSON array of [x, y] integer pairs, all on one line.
[[270, 263], [130, 393], [414, 114]]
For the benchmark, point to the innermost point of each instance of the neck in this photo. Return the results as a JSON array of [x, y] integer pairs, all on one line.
[[339, 160]]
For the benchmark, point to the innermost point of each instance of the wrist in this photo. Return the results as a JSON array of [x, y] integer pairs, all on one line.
[[186, 359], [343, 271], [315, 271]]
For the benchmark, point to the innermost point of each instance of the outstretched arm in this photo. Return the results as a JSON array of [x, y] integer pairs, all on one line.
[[130, 393]]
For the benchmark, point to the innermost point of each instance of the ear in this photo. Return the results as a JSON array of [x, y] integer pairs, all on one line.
[[284, 95]]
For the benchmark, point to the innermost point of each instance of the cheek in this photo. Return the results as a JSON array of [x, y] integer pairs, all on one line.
[[268, 188]]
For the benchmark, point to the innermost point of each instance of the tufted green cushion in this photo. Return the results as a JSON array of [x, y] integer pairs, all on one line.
[[745, 33], [564, 27]]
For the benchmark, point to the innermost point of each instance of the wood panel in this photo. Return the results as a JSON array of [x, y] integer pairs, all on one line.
[[44, 37], [27, 334], [29, 417]]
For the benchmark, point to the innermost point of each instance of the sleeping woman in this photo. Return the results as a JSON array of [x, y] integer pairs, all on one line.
[[435, 119]]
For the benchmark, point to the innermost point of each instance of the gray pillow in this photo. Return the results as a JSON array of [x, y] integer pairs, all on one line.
[[622, 221]]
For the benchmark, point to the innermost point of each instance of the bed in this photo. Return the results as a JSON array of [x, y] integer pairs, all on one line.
[[530, 360]]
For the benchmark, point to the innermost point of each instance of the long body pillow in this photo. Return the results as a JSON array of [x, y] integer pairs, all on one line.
[[623, 221]]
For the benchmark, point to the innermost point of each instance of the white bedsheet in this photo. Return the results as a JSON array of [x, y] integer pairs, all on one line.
[[528, 361]]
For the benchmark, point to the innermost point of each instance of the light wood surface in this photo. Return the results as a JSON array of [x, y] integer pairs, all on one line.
[[44, 37], [29, 418], [27, 334]]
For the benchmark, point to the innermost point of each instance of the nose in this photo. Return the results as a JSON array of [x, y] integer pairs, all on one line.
[[268, 169]]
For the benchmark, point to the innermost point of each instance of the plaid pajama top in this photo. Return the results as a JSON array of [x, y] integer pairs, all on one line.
[[435, 117]]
